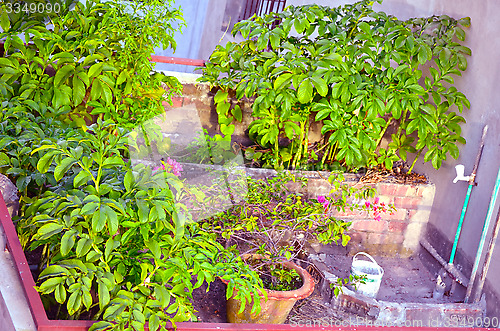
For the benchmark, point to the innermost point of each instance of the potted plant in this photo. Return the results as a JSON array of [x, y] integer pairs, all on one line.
[[271, 228], [350, 72]]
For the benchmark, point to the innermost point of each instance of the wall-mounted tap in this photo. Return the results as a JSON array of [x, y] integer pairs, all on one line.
[[460, 168]]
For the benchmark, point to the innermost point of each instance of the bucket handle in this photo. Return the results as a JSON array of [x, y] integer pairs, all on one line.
[[366, 255]]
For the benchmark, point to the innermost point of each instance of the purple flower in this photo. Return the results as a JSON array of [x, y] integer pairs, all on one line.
[[171, 166], [323, 201], [175, 166]]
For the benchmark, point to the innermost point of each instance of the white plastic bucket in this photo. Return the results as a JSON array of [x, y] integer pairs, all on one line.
[[371, 270]]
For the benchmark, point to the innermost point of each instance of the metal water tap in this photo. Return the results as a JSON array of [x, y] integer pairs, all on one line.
[[460, 168]]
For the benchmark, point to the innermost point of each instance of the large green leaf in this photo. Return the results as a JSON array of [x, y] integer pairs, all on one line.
[[53, 270], [305, 91], [320, 85], [63, 167], [62, 74], [45, 161], [68, 241], [78, 90], [103, 293], [50, 284], [48, 230], [283, 81]]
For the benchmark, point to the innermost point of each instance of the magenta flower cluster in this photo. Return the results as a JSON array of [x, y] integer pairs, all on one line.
[[171, 166], [376, 206]]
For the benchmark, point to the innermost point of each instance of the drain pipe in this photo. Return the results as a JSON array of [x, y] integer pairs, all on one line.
[[486, 226], [487, 260], [450, 267], [471, 179]]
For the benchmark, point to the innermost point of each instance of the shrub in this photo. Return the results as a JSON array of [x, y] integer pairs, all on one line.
[[355, 72]]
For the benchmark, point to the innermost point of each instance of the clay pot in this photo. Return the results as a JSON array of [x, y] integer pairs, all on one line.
[[278, 305]]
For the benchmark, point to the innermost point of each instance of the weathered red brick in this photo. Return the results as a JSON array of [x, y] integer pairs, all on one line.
[[407, 202], [358, 237], [394, 238], [177, 102], [414, 191], [466, 316], [397, 226], [195, 91], [205, 105], [351, 214], [369, 225], [398, 215], [430, 316], [392, 189], [376, 238]]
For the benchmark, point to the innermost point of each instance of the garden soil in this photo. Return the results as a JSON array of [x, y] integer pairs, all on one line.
[[404, 280]]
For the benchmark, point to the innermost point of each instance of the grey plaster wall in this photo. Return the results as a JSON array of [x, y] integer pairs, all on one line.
[[189, 40], [213, 31], [480, 84], [203, 31]]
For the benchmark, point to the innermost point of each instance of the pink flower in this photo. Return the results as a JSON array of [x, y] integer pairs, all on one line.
[[323, 201], [171, 166], [367, 203], [376, 200], [176, 167]]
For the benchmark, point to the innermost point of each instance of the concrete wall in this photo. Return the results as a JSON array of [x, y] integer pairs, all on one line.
[[479, 83], [203, 32]]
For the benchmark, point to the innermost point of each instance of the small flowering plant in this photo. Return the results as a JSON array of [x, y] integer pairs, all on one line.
[[170, 166], [375, 207], [279, 223]]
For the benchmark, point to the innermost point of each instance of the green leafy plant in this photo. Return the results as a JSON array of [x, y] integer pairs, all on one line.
[[354, 71], [277, 223], [214, 149], [118, 244], [91, 60], [352, 280]]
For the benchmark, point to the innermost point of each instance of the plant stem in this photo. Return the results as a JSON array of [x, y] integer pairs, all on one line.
[[415, 161], [403, 120], [299, 151], [383, 132]]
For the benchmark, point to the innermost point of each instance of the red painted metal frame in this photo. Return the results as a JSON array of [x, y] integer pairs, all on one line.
[[44, 324], [177, 60]]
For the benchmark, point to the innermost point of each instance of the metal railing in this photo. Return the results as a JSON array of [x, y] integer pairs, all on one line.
[[262, 7]]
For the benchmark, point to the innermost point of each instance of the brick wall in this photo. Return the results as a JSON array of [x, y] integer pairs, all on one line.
[[393, 234], [397, 234]]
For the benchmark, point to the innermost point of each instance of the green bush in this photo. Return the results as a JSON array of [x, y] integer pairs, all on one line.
[[117, 244], [91, 60], [353, 70]]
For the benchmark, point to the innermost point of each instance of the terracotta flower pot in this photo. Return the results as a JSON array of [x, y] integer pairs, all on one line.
[[278, 305]]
